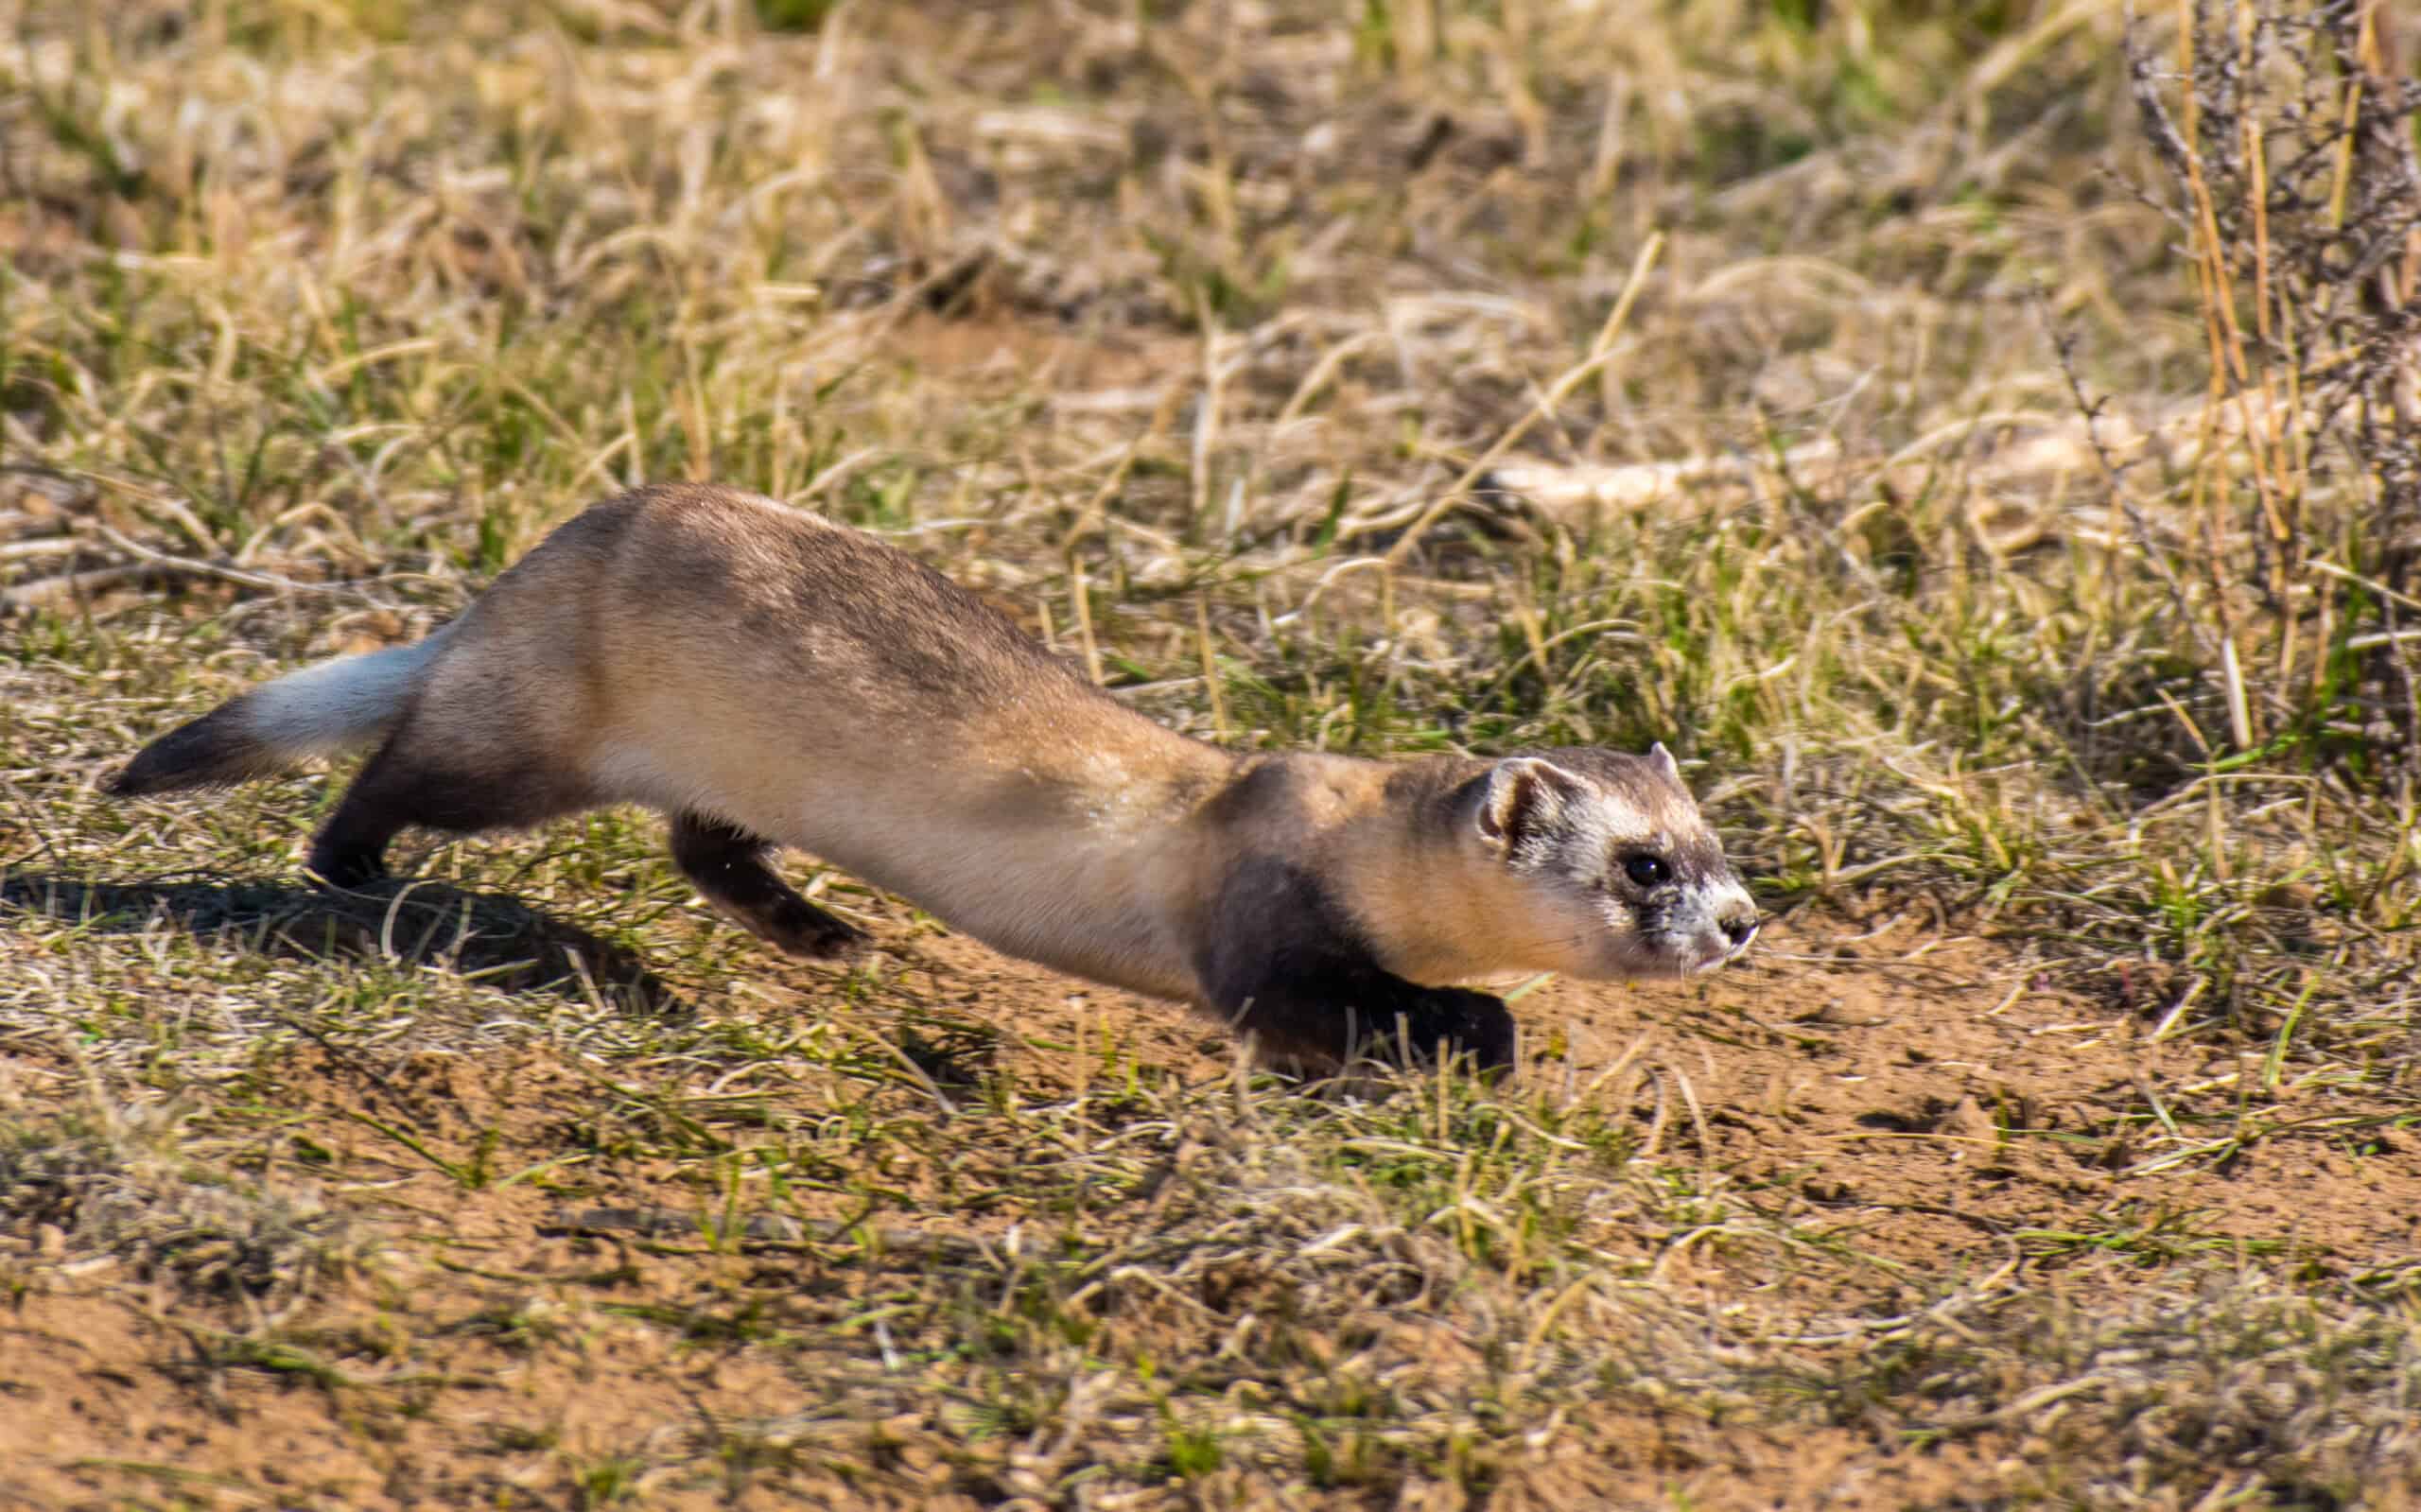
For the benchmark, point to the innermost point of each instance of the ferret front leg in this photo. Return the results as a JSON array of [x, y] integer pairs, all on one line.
[[1280, 960], [1327, 1021]]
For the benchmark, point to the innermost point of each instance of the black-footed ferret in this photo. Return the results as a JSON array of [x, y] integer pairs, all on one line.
[[766, 678]]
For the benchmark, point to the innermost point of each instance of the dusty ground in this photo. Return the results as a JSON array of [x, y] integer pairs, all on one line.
[[1876, 1119]]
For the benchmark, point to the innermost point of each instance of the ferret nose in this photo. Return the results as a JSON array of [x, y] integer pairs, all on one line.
[[1739, 925]]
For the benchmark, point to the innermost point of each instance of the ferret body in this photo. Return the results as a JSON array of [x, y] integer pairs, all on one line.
[[769, 679]]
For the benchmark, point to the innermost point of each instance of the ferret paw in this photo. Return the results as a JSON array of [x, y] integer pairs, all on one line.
[[1452, 1020], [821, 938]]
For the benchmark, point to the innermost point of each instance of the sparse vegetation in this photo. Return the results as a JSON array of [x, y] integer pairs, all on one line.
[[1981, 439]]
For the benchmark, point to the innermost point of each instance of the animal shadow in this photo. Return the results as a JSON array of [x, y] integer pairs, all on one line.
[[956, 1054], [503, 942]]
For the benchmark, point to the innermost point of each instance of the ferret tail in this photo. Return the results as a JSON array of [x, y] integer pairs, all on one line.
[[333, 706]]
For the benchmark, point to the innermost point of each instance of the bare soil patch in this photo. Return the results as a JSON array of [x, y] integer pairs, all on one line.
[[1912, 1111]]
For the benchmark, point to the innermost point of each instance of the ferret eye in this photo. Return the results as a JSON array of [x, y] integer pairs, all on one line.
[[1647, 871]]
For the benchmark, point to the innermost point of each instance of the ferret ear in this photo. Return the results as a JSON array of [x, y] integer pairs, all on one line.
[[1519, 795], [1663, 762]]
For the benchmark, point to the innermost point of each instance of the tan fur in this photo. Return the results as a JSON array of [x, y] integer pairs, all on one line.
[[712, 653]]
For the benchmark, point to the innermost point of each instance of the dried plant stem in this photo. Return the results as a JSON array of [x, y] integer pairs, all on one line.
[[1601, 350]]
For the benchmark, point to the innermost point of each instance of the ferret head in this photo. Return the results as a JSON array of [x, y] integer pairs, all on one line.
[[1619, 870]]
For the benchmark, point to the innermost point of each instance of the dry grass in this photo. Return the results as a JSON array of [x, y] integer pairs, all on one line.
[[1826, 391]]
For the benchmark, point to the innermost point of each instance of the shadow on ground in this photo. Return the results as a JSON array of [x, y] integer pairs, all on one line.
[[499, 940]]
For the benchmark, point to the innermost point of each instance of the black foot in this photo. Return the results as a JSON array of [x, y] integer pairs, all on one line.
[[799, 927], [727, 867], [1434, 1022], [1399, 1025], [347, 869]]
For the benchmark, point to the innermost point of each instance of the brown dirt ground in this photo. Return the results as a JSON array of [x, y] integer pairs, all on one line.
[[1871, 1060]]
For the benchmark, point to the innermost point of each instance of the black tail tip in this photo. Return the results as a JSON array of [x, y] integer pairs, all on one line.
[[211, 752], [151, 771]]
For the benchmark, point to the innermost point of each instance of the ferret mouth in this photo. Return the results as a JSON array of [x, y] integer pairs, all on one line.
[[1725, 956], [1711, 950], [1683, 955], [1667, 953]]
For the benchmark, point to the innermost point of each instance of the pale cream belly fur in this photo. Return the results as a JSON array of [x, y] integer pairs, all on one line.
[[997, 851]]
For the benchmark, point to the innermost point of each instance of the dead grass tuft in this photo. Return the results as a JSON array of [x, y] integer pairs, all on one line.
[[117, 1188]]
